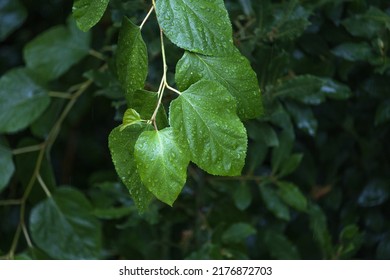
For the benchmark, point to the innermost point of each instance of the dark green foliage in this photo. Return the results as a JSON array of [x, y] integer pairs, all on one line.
[[316, 179]]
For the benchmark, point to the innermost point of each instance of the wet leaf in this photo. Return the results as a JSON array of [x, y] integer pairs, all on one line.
[[88, 12], [201, 26], [121, 144], [204, 117], [162, 163], [233, 72]]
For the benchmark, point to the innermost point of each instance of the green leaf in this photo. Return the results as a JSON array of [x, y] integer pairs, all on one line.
[[263, 133], [318, 225], [369, 24], [12, 15], [273, 203], [290, 21], [162, 163], [64, 227], [303, 117], [289, 165], [201, 26], [382, 114], [22, 100], [145, 103], [237, 233], [121, 144], [113, 212], [282, 152], [375, 193], [291, 195], [280, 247], [7, 167], [130, 117], [88, 12], [131, 59], [350, 241], [41, 126], [305, 88], [53, 52], [204, 116], [242, 196], [233, 72], [335, 90], [383, 248], [354, 51]]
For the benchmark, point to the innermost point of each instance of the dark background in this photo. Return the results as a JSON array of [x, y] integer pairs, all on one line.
[[333, 147]]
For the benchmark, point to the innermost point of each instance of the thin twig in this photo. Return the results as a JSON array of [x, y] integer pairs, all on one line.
[[146, 17]]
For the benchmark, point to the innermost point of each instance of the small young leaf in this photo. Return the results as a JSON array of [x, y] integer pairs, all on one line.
[[131, 59], [237, 233], [162, 163], [53, 52], [201, 26], [273, 202], [121, 144], [145, 103], [88, 12], [233, 72], [292, 196], [64, 227], [205, 117], [22, 100], [130, 117], [7, 166], [12, 15]]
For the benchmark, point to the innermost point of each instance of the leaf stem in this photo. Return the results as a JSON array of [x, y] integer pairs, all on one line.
[[43, 185], [146, 17], [64, 95], [28, 149], [96, 54], [10, 202]]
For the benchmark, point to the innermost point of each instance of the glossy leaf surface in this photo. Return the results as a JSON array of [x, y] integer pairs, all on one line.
[[204, 117]]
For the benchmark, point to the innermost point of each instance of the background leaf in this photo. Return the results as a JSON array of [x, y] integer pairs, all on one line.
[[64, 227], [273, 203], [292, 195], [7, 166], [280, 247], [53, 52], [22, 100], [238, 233], [12, 15], [88, 12]]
